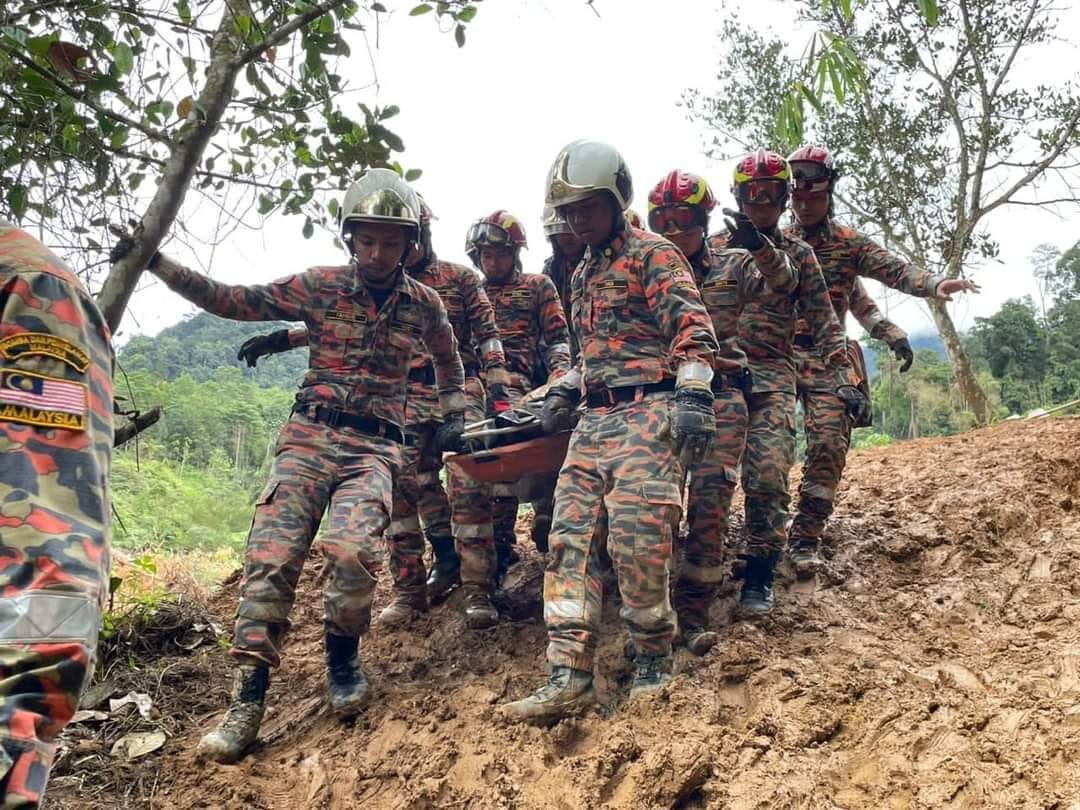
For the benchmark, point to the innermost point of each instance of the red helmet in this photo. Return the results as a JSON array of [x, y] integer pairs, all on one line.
[[812, 169], [679, 202], [633, 219], [498, 229], [762, 177]]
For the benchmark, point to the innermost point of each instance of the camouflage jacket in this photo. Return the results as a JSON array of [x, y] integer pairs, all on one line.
[[560, 271], [527, 311], [638, 315], [866, 312], [767, 324], [360, 355], [845, 254], [56, 437], [728, 280]]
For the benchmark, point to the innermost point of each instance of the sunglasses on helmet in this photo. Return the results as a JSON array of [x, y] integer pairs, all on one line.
[[809, 178], [485, 233], [762, 192], [673, 219]]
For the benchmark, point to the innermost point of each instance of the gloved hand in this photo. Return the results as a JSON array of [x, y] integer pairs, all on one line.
[[124, 245], [854, 402], [498, 399], [261, 345], [903, 352], [691, 425], [559, 404], [743, 233], [448, 434]]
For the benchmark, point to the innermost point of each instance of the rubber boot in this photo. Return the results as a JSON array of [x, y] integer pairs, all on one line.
[[803, 552], [652, 672], [699, 640], [505, 556], [349, 689], [692, 601], [757, 590], [445, 572], [405, 607], [541, 528], [567, 692], [240, 725], [480, 612]]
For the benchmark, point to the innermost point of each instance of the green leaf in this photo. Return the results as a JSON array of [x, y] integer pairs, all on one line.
[[183, 9], [309, 229], [459, 35], [835, 66], [467, 14], [423, 8], [332, 207], [114, 584], [412, 175], [379, 7], [123, 57], [243, 25], [929, 10], [391, 111], [17, 199]]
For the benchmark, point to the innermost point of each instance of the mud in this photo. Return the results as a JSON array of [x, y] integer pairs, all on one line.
[[934, 662]]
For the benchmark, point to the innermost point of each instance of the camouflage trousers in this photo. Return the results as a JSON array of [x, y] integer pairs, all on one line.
[[616, 471], [767, 463], [54, 574], [418, 496], [317, 468], [828, 436], [470, 507], [712, 485], [504, 508]]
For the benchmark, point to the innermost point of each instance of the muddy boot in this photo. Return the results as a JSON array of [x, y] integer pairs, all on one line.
[[240, 725], [480, 613], [652, 672], [445, 570], [805, 559], [349, 690], [505, 556], [699, 640], [541, 527], [757, 590], [567, 692], [403, 609]]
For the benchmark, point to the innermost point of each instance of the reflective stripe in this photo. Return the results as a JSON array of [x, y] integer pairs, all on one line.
[[469, 530], [563, 609], [491, 345], [454, 401], [704, 574], [825, 493], [409, 524], [693, 372], [872, 320], [35, 616]]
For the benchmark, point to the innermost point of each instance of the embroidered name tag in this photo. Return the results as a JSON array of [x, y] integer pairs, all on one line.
[[43, 343], [35, 399], [347, 315]]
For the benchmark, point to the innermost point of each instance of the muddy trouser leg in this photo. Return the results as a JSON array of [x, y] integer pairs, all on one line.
[[404, 542], [470, 508], [767, 462], [712, 485], [287, 513], [828, 435], [504, 509], [434, 504]]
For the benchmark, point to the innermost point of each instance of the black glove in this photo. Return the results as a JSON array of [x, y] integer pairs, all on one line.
[[742, 232], [854, 403], [903, 352], [557, 415], [692, 425], [124, 245], [448, 434], [498, 400], [261, 345]]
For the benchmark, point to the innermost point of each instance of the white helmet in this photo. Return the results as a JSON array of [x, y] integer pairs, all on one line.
[[554, 222], [381, 195], [584, 167]]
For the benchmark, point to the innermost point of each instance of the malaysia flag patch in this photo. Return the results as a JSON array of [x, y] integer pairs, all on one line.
[[36, 399]]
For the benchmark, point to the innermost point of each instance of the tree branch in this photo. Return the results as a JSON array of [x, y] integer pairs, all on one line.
[[280, 34]]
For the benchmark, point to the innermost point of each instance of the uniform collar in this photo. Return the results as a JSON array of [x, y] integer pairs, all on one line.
[[826, 228], [610, 249], [513, 278], [358, 289]]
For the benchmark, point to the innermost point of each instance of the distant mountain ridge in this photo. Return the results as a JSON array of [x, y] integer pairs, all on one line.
[[928, 340]]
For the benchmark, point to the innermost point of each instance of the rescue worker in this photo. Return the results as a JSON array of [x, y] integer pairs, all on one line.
[[766, 330], [750, 267], [418, 491], [341, 447], [844, 254], [644, 375], [56, 437], [567, 251]]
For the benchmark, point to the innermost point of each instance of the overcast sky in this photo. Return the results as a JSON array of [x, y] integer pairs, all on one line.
[[484, 123]]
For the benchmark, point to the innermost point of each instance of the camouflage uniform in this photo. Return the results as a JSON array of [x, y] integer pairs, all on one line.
[[766, 334], [528, 312], [844, 254], [728, 281], [341, 448], [560, 271], [642, 329], [56, 435]]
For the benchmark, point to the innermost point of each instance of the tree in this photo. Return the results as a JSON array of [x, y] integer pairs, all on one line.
[[1063, 282], [945, 134], [241, 98], [1015, 346]]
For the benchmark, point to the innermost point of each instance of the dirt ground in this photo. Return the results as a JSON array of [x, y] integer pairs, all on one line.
[[934, 663]]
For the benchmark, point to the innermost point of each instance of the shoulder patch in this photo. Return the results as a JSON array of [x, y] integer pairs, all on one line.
[[47, 344], [37, 399]]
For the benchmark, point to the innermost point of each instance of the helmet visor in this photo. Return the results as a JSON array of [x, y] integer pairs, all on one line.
[[671, 219], [762, 192], [485, 233], [810, 177], [382, 204]]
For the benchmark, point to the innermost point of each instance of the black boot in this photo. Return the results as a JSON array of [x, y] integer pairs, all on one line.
[[757, 589], [541, 528], [240, 725], [803, 552], [505, 556], [651, 673], [445, 572], [349, 690]]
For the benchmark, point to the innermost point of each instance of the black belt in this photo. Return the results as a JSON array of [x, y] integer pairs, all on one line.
[[735, 381], [804, 341], [335, 417], [424, 374], [605, 397]]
